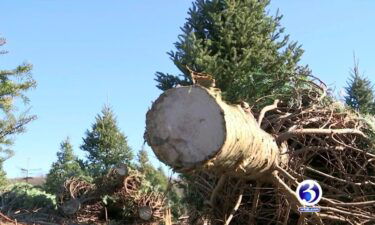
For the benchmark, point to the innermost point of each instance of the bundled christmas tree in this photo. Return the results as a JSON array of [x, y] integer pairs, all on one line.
[[242, 163]]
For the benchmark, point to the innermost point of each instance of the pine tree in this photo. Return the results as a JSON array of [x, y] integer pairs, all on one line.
[[160, 182], [156, 177], [240, 45], [243, 48], [66, 166], [143, 160], [13, 85], [3, 179], [360, 92], [105, 145]]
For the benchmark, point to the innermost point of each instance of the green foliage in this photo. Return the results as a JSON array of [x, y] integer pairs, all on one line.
[[158, 180], [25, 196], [143, 160], [360, 93], [105, 144], [369, 130], [13, 85], [176, 201], [241, 46], [245, 50], [192, 197], [3, 179], [66, 166]]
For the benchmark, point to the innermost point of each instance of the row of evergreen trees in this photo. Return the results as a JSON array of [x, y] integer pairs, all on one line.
[[238, 42], [105, 146]]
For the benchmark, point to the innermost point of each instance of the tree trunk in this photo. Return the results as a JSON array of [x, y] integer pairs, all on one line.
[[71, 207], [145, 213], [192, 128], [167, 216]]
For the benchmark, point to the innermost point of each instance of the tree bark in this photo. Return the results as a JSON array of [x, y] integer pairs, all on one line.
[[192, 128]]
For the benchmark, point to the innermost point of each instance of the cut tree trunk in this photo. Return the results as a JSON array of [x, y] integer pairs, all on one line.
[[145, 213], [71, 207], [192, 128]]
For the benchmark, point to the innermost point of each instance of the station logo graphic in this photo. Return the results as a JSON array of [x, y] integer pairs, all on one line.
[[309, 193]]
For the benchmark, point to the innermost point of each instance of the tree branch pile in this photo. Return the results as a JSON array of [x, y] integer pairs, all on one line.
[[117, 195], [315, 138]]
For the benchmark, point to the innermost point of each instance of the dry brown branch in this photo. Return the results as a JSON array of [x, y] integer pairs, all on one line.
[[7, 219], [291, 195], [349, 204], [347, 213], [320, 142], [289, 134], [265, 110], [216, 190], [254, 207], [286, 218], [235, 208], [301, 220], [338, 179], [286, 174]]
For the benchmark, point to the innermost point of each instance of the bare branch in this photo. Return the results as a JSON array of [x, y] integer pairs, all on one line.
[[216, 190], [255, 202], [265, 110], [297, 132], [238, 203]]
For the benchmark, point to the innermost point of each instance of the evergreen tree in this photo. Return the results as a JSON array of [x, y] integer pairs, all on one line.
[[105, 145], [244, 49], [156, 177], [13, 85], [360, 92], [159, 181], [3, 179], [240, 45], [66, 166], [143, 159]]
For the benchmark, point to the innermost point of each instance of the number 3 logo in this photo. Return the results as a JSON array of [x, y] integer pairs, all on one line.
[[309, 192]]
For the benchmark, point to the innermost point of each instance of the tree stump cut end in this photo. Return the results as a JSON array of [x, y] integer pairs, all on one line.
[[186, 126]]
